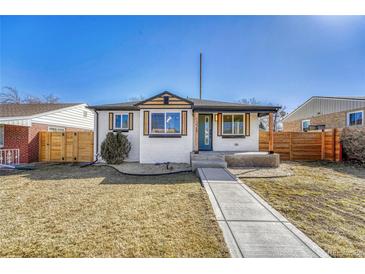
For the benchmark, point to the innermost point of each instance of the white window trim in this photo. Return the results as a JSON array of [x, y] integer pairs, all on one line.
[[352, 112], [121, 121], [58, 129], [232, 114], [2, 142], [167, 133], [303, 121]]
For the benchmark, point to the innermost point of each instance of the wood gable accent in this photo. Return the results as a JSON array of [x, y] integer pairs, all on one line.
[[165, 100]]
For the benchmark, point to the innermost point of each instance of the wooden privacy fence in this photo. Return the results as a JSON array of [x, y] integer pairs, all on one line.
[[304, 145], [66, 146]]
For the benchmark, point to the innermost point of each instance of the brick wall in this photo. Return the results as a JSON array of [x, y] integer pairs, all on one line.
[[292, 126], [333, 120], [33, 141], [17, 137], [26, 139]]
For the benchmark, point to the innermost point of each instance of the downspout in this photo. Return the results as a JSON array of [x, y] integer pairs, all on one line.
[[97, 133]]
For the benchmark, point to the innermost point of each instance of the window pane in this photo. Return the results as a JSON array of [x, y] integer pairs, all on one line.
[[305, 124], [352, 119], [56, 129], [355, 118], [238, 124], [358, 118], [158, 122], [125, 121], [172, 122], [117, 121], [227, 124]]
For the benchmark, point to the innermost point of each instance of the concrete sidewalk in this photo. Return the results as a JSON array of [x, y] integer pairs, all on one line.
[[251, 227]]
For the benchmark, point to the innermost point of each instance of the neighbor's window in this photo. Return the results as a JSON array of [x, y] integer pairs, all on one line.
[[355, 118], [56, 129], [165, 123], [305, 125], [121, 121], [233, 124], [1, 136]]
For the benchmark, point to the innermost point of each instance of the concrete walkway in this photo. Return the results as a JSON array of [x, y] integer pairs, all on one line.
[[251, 227]]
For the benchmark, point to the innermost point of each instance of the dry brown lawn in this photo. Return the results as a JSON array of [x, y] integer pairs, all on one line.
[[68, 211], [324, 200]]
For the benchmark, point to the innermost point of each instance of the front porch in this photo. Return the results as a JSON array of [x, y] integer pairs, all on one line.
[[230, 131], [231, 142]]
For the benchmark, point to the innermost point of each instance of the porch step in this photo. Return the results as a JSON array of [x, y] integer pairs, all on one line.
[[208, 163], [207, 156]]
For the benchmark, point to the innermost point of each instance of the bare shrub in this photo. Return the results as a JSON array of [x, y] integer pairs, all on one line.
[[353, 144]]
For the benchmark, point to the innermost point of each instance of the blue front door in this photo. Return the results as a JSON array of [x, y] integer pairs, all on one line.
[[205, 131]]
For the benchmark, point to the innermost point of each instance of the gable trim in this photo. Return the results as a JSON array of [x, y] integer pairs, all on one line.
[[160, 95]]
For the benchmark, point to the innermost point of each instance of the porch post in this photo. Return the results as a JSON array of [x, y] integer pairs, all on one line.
[[196, 131], [271, 133]]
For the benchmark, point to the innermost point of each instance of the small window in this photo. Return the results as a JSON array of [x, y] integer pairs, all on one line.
[[121, 121], [355, 118], [56, 129], [84, 113], [305, 125], [233, 124], [165, 123], [1, 136]]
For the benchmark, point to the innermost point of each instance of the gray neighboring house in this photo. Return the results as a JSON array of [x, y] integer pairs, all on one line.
[[321, 112]]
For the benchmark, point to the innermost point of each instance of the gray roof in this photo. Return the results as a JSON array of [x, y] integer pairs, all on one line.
[[118, 106], [25, 110], [203, 104], [197, 104], [341, 97]]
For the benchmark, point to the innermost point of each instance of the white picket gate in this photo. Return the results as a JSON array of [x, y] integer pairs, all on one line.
[[9, 156]]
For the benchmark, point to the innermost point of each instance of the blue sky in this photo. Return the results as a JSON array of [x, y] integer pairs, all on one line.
[[104, 59]]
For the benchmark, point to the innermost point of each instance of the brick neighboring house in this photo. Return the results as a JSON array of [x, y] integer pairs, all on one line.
[[21, 123], [321, 112]]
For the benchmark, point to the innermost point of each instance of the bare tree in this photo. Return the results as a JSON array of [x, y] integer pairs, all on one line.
[[29, 99], [51, 99], [9, 95], [264, 121], [254, 101], [136, 98]]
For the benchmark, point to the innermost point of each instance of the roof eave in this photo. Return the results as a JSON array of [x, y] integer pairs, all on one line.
[[113, 108], [236, 108]]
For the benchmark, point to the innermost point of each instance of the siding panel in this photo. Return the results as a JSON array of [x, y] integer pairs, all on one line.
[[322, 106], [71, 117]]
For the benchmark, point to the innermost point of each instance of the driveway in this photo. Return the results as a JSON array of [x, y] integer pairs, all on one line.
[[250, 226]]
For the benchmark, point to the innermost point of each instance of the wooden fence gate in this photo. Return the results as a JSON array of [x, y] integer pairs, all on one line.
[[304, 145], [67, 146]]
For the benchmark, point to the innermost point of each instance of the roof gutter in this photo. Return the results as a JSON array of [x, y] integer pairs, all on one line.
[[236, 108], [113, 108]]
